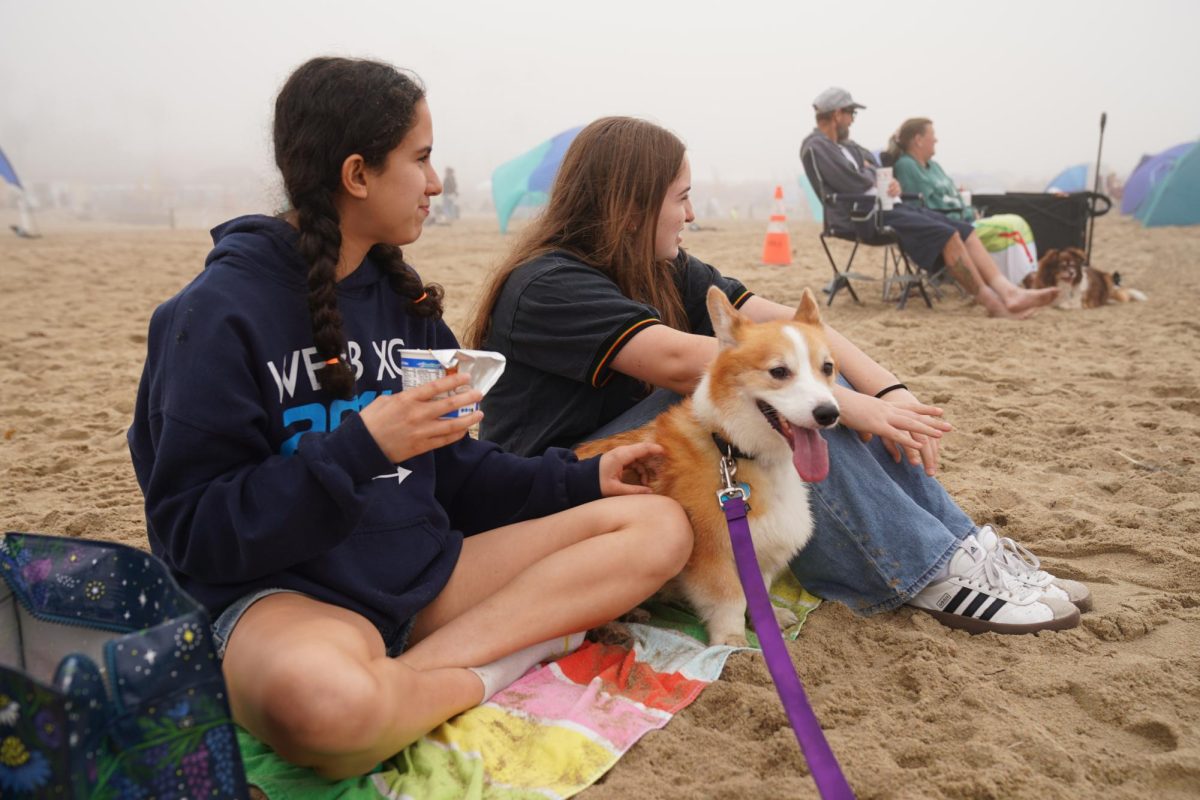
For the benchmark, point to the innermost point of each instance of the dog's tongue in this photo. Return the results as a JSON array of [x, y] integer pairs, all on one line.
[[810, 454]]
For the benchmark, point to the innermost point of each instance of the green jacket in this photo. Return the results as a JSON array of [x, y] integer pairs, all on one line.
[[931, 181]]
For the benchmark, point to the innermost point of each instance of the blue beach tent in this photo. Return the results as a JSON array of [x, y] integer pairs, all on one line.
[[1147, 175], [1175, 199], [1071, 179], [8, 173], [526, 180]]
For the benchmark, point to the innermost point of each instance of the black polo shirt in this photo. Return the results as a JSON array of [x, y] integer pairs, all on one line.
[[560, 323]]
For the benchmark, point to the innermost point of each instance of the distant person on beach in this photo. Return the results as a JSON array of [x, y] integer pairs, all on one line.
[[602, 318], [449, 195], [1007, 238], [836, 164], [371, 570]]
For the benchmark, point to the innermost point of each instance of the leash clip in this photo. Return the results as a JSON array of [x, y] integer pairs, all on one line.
[[730, 489]]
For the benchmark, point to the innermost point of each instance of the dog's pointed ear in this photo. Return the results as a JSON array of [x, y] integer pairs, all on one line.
[[725, 318], [808, 311]]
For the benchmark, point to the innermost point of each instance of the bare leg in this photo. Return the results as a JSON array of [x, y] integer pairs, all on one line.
[[1016, 299], [963, 269], [314, 682], [566, 579]]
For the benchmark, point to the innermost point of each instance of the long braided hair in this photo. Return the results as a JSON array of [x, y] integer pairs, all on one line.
[[330, 109]]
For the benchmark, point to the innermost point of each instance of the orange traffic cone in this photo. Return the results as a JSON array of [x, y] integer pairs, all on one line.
[[777, 249]]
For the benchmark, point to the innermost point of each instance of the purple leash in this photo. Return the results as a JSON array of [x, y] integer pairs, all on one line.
[[826, 772]]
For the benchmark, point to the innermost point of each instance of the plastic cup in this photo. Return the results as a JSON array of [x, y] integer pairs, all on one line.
[[883, 178]]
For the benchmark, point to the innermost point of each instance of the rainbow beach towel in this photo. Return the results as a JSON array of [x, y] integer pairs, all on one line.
[[551, 734]]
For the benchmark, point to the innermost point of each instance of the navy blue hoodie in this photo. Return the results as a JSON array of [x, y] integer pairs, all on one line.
[[255, 478]]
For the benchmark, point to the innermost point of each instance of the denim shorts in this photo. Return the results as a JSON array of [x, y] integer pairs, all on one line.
[[222, 627]]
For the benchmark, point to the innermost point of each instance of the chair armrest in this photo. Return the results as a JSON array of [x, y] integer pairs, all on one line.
[[859, 207], [848, 197]]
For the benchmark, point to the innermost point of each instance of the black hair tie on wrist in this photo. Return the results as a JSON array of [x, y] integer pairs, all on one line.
[[891, 388]]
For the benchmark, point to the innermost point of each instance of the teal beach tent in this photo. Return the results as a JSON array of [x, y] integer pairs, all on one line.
[[526, 180], [1175, 199], [1147, 174], [810, 196]]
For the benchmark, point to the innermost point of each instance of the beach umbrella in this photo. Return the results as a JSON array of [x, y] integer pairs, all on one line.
[[1175, 200], [526, 180], [1147, 174], [1071, 179], [8, 173], [27, 227]]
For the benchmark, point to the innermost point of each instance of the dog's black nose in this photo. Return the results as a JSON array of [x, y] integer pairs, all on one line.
[[825, 414]]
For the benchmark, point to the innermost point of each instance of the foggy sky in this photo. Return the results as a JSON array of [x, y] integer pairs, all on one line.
[[145, 91]]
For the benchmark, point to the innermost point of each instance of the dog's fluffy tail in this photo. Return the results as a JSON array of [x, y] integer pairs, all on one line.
[[1135, 294]]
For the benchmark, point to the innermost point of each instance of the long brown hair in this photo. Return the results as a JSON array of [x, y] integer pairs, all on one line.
[[901, 140], [603, 210]]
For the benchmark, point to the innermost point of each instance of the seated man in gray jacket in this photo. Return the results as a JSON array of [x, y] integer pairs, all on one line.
[[836, 164]]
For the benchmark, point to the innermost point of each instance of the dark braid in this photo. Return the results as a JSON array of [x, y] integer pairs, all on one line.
[[330, 109], [320, 243], [406, 283]]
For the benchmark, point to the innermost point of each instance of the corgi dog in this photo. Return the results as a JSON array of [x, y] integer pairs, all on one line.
[[763, 400], [1079, 285]]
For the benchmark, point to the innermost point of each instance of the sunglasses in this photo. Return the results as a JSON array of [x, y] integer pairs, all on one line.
[[853, 112]]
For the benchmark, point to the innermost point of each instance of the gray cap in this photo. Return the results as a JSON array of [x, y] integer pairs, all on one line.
[[834, 98]]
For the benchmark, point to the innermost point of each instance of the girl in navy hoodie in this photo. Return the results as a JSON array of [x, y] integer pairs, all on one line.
[[371, 569]]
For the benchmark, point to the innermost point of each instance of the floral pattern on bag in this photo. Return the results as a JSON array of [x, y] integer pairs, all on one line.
[[151, 721]]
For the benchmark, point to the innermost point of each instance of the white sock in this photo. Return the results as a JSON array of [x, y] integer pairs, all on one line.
[[503, 672]]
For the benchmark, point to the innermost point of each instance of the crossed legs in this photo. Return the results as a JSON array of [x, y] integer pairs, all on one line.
[[314, 682], [975, 271]]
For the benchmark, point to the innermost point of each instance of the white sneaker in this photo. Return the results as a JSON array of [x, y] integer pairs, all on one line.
[[1026, 567], [980, 596]]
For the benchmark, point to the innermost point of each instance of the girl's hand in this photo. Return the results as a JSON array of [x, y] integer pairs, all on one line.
[[906, 425], [635, 457], [408, 423], [930, 452]]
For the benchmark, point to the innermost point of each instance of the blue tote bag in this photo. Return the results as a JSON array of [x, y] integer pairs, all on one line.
[[110, 687]]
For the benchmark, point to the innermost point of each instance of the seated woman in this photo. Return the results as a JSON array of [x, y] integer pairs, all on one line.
[[371, 570], [1006, 237], [839, 165], [597, 305]]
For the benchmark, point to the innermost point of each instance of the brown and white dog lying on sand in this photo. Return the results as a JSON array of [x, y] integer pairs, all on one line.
[[1080, 285], [767, 393]]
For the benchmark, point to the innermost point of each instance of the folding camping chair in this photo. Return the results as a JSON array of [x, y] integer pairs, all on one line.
[[898, 272]]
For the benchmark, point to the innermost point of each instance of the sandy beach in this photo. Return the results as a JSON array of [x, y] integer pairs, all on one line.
[[1077, 435]]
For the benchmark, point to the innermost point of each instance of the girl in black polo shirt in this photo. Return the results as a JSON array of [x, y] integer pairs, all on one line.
[[597, 305]]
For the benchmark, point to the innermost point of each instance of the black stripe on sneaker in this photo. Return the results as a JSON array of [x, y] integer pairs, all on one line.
[[962, 595], [991, 610], [974, 605]]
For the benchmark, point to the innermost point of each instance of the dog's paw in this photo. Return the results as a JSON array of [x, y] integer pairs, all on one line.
[[785, 617]]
